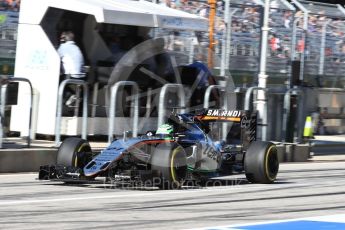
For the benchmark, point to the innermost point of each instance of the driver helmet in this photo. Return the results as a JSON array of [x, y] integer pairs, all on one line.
[[165, 131]]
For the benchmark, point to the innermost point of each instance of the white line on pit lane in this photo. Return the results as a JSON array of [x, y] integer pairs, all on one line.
[[32, 201], [141, 194], [17, 174]]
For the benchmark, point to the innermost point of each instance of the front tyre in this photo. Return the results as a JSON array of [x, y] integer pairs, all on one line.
[[170, 160], [74, 152], [261, 164]]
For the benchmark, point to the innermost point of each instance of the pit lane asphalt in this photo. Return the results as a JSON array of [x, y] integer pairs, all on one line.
[[302, 190]]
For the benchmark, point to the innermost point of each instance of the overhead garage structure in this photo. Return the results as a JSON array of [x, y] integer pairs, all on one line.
[[42, 21], [124, 12]]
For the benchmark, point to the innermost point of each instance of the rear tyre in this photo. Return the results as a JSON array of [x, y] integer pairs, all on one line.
[[74, 152], [261, 164], [170, 160]]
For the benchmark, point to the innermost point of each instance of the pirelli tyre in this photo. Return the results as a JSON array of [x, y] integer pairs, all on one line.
[[170, 160], [261, 164], [74, 152]]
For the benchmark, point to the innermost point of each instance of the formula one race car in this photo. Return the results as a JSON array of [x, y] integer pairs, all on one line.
[[181, 150]]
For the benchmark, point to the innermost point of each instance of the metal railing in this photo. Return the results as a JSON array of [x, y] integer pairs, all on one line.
[[208, 95], [114, 93], [224, 104], [4, 81], [62, 87], [248, 95], [162, 96], [263, 118], [287, 103]]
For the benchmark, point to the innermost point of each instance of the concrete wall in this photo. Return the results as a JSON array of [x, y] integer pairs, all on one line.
[[25, 160]]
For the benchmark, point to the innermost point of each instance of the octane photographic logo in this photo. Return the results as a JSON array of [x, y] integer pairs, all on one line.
[[154, 63], [113, 183]]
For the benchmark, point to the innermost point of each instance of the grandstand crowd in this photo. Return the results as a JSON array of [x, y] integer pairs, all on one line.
[[12, 5], [287, 37], [246, 24], [286, 40]]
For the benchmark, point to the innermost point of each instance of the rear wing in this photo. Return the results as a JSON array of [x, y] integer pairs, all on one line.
[[245, 119], [213, 115]]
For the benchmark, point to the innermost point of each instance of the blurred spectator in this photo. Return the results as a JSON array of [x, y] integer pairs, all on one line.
[[166, 3], [312, 24], [12, 5], [274, 42], [203, 11], [287, 19], [300, 46], [341, 55]]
